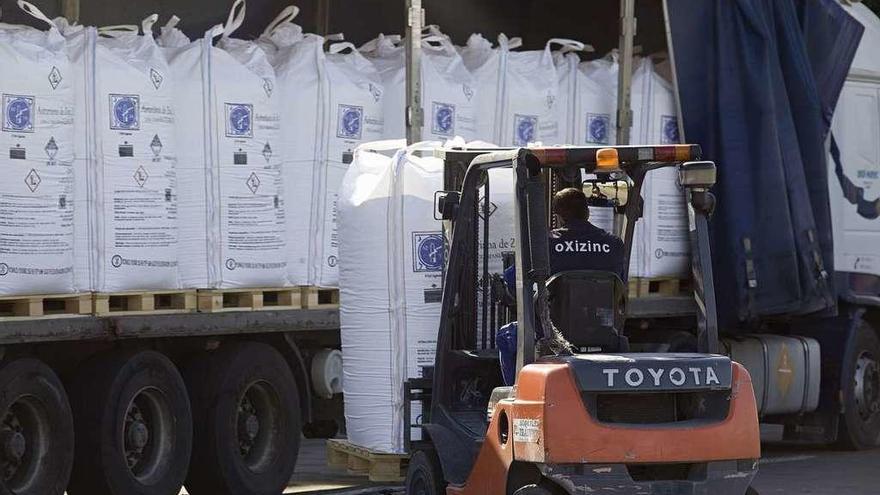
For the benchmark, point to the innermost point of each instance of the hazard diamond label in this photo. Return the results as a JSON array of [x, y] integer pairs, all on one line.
[[32, 179], [156, 78], [54, 77], [253, 182], [141, 176]]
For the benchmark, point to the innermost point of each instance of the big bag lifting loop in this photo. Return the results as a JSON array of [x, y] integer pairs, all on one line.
[[236, 18], [287, 15], [148, 23], [340, 47], [36, 13]]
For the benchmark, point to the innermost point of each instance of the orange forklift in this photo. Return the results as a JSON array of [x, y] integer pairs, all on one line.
[[585, 415]]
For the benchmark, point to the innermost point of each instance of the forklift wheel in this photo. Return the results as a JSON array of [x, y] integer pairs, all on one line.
[[424, 475]]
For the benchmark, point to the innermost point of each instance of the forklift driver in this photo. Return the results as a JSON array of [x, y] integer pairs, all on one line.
[[578, 244]]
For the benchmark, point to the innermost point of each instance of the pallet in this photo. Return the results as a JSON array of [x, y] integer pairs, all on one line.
[[144, 302], [256, 299], [320, 297], [45, 306], [360, 461], [654, 287]]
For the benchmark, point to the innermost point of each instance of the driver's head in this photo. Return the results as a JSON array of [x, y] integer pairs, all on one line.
[[571, 204]]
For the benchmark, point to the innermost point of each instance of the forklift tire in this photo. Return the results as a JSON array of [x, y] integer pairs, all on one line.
[[133, 426], [36, 430], [860, 421], [424, 476], [247, 438]]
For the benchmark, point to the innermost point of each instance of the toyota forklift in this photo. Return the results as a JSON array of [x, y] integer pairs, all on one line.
[[585, 415]]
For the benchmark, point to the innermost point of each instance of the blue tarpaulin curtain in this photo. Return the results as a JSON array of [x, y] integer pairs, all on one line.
[[758, 81]]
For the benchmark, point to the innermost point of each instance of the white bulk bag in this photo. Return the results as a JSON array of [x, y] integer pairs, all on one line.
[[299, 66], [231, 203], [448, 90], [127, 218], [352, 115], [36, 156], [523, 86], [391, 248], [661, 248]]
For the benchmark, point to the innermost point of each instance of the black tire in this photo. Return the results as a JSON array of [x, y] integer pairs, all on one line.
[[324, 428], [752, 491], [133, 426], [36, 430], [424, 476], [533, 490], [860, 422], [236, 392]]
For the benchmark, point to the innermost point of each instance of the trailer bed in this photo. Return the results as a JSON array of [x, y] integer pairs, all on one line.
[[166, 325]]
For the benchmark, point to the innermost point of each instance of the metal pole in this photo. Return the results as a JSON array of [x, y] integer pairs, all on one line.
[[322, 17], [415, 17], [70, 10], [624, 76]]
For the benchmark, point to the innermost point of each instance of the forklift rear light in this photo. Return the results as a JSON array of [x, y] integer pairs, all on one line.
[[675, 153], [606, 158]]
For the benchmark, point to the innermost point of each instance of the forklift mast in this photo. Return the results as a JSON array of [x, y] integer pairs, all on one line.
[[485, 317]]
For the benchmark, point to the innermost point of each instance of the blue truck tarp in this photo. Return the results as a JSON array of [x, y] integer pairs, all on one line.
[[758, 81]]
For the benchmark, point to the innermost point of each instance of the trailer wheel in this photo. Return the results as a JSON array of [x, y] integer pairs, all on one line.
[[36, 430], [860, 424], [133, 426], [424, 476], [248, 434]]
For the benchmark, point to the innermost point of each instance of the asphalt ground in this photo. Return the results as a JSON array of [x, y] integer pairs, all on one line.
[[784, 470], [790, 470]]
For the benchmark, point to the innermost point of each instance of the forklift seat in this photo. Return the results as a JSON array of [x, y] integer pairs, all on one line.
[[588, 307]]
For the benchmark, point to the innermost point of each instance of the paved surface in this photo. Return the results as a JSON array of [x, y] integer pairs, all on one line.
[[789, 470], [785, 470]]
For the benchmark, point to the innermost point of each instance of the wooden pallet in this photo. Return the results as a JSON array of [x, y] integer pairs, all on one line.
[[320, 297], [652, 287], [145, 302], [256, 299], [358, 460], [45, 306]]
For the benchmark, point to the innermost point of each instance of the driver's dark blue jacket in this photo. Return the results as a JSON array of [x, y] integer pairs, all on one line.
[[580, 245]]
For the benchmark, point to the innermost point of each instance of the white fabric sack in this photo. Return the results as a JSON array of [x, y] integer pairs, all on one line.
[[524, 87], [353, 115], [391, 252], [128, 205], [448, 90], [661, 247], [231, 204], [299, 66], [36, 156]]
